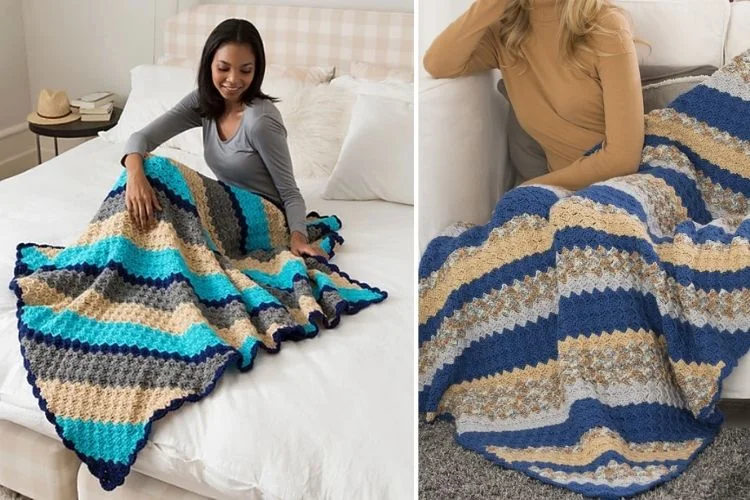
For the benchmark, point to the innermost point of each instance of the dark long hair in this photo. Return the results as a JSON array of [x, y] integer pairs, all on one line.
[[210, 101]]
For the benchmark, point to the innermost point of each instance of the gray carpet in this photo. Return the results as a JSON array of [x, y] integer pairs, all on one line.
[[446, 470], [6, 494]]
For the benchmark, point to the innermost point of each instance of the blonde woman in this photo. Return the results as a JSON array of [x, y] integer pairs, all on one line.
[[571, 72]]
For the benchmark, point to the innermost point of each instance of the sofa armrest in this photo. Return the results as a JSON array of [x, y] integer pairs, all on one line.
[[463, 150]]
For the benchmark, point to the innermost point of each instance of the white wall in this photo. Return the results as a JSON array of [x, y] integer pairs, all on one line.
[[14, 98], [434, 17], [15, 141], [389, 5]]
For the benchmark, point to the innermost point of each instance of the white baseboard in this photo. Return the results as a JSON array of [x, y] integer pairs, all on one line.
[[18, 149]]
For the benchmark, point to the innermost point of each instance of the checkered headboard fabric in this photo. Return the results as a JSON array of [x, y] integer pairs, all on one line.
[[302, 36]]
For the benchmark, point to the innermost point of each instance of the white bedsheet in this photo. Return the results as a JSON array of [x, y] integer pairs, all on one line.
[[329, 417]]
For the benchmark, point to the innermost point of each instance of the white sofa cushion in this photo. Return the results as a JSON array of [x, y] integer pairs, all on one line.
[[681, 32], [738, 37]]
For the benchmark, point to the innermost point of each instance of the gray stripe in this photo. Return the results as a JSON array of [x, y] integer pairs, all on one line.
[[112, 287], [120, 370], [224, 218]]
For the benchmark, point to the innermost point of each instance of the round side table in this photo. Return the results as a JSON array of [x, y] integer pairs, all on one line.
[[71, 130]]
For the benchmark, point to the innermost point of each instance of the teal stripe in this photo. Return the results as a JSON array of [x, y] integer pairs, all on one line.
[[34, 259], [328, 221], [209, 241], [348, 294], [121, 181], [327, 245], [102, 440], [357, 295], [256, 296], [153, 264], [309, 328], [246, 350], [72, 326], [162, 169], [258, 232], [283, 279]]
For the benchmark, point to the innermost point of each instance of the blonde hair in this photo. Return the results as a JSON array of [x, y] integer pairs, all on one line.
[[579, 18]]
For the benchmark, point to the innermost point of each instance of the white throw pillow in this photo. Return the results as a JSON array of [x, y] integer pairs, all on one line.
[[377, 158], [316, 120], [155, 89]]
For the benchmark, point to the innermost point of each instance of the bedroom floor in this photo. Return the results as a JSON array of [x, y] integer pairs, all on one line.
[[6, 494]]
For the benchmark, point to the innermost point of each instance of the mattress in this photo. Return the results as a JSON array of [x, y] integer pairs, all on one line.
[[327, 417]]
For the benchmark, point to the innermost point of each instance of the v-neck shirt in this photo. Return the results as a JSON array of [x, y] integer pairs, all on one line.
[[256, 157]]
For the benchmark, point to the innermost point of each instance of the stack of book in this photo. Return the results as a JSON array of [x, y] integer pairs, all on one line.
[[94, 107]]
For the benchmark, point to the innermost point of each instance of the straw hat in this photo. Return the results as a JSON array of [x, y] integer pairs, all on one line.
[[52, 108]]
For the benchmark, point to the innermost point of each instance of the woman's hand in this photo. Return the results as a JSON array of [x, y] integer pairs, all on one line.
[[140, 200], [300, 247]]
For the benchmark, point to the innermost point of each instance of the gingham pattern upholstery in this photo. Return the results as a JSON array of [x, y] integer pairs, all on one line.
[[302, 36], [36, 465]]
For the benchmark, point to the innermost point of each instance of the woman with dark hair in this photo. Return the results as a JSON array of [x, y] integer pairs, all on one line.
[[244, 137]]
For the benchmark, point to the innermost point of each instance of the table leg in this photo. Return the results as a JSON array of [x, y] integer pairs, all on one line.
[[38, 151], [55, 146]]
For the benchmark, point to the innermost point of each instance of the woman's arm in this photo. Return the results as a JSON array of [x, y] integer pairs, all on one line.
[[181, 117], [623, 119], [467, 45], [140, 198], [268, 137]]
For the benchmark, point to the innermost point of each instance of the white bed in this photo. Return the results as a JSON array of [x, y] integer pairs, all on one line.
[[331, 417]]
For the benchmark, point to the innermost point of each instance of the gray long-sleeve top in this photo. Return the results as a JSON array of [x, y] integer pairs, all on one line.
[[256, 158]]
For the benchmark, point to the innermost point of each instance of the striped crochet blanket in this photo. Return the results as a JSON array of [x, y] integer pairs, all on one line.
[[124, 326], [582, 338]]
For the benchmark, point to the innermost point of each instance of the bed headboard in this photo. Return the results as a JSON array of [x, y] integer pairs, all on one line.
[[301, 36]]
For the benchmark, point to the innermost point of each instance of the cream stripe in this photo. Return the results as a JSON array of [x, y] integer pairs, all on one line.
[[533, 235], [483, 317], [85, 401], [91, 304], [613, 475], [710, 256], [579, 212], [730, 154], [595, 442]]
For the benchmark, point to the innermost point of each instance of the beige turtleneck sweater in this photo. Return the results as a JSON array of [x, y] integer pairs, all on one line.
[[565, 111]]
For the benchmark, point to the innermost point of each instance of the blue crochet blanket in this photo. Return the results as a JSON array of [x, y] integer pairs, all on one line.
[[582, 338]]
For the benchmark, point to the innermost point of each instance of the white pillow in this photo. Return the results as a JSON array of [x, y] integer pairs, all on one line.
[[316, 119], [155, 89], [377, 158]]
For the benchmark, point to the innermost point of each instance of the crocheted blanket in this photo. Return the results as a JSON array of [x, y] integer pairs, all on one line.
[[124, 326], [582, 338]]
